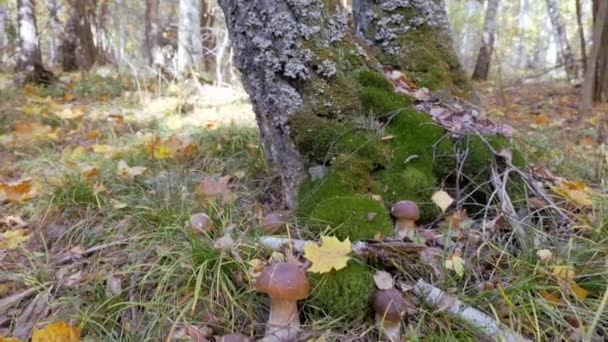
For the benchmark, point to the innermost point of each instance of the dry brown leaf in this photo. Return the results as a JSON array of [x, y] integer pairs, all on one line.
[[212, 189], [17, 191]]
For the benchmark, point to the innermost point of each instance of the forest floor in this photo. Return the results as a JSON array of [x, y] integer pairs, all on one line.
[[100, 176]]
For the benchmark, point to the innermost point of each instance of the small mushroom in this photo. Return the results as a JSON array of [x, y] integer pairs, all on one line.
[[275, 222], [201, 224], [389, 306], [285, 283], [406, 213], [232, 338]]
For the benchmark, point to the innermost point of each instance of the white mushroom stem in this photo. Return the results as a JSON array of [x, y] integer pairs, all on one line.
[[284, 322], [405, 228], [390, 329], [485, 324]]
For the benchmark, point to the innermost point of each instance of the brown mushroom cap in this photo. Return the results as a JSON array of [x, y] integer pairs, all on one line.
[[275, 222], [283, 281], [201, 223], [389, 304], [232, 338], [406, 210]]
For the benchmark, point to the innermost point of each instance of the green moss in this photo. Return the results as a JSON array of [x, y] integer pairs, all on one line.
[[345, 294], [375, 80], [314, 136], [355, 217], [382, 102]]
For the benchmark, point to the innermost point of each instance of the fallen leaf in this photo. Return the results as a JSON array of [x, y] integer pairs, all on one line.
[[212, 189], [580, 292], [456, 264], [576, 192], [129, 172], [565, 273], [550, 297], [331, 254], [442, 199], [13, 238], [17, 191], [383, 280], [57, 332], [113, 286]]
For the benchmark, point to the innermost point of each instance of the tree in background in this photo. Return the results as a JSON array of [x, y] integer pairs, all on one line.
[[567, 56], [484, 58], [3, 28], [152, 32], [29, 57], [69, 45], [595, 86], [190, 48]]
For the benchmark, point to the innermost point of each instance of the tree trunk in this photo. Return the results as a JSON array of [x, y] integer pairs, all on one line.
[[323, 105], [600, 93], [567, 56], [595, 87], [152, 45], [209, 36], [190, 48], [524, 8], [484, 58], [55, 31], [3, 35], [581, 34], [85, 19], [69, 44], [29, 55]]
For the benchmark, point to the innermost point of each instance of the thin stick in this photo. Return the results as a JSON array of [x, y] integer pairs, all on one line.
[[485, 324]]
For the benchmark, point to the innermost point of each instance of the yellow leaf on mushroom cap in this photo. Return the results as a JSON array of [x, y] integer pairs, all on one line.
[[56, 332], [331, 254]]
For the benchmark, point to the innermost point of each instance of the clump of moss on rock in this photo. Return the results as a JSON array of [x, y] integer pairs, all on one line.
[[344, 294]]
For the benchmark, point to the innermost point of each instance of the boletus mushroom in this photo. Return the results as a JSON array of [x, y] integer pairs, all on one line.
[[275, 222], [406, 213], [285, 284], [389, 306], [201, 224]]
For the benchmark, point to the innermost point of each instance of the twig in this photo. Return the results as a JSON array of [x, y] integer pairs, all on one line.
[[485, 324], [278, 243]]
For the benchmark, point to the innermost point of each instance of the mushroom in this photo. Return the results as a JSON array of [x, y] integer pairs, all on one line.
[[232, 338], [275, 222], [285, 283], [201, 224], [389, 306], [406, 213]]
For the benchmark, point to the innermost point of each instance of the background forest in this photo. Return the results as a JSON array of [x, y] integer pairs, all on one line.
[[456, 192]]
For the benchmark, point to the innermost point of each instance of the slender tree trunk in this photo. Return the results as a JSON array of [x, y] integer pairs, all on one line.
[[69, 45], [313, 85], [595, 86], [567, 56], [190, 48], [581, 34], [55, 31], [524, 8], [152, 45], [3, 34], [209, 36], [29, 55], [122, 32], [484, 58]]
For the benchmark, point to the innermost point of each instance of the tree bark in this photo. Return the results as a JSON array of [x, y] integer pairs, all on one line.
[[69, 45], [3, 35], [190, 48], [55, 31], [484, 58], [209, 36], [567, 56], [595, 86], [152, 44], [313, 84], [85, 12], [581, 34], [29, 54], [524, 8]]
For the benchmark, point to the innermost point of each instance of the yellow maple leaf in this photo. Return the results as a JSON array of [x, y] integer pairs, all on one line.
[[331, 254], [57, 332], [13, 238]]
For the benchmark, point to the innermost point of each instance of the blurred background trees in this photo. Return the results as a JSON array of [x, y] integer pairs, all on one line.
[[509, 41]]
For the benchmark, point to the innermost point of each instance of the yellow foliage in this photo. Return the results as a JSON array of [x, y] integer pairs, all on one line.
[[57, 332], [13, 238], [576, 192], [331, 254]]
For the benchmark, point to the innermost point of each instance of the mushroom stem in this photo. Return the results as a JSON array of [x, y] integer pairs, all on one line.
[[284, 321], [390, 329], [405, 228]]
